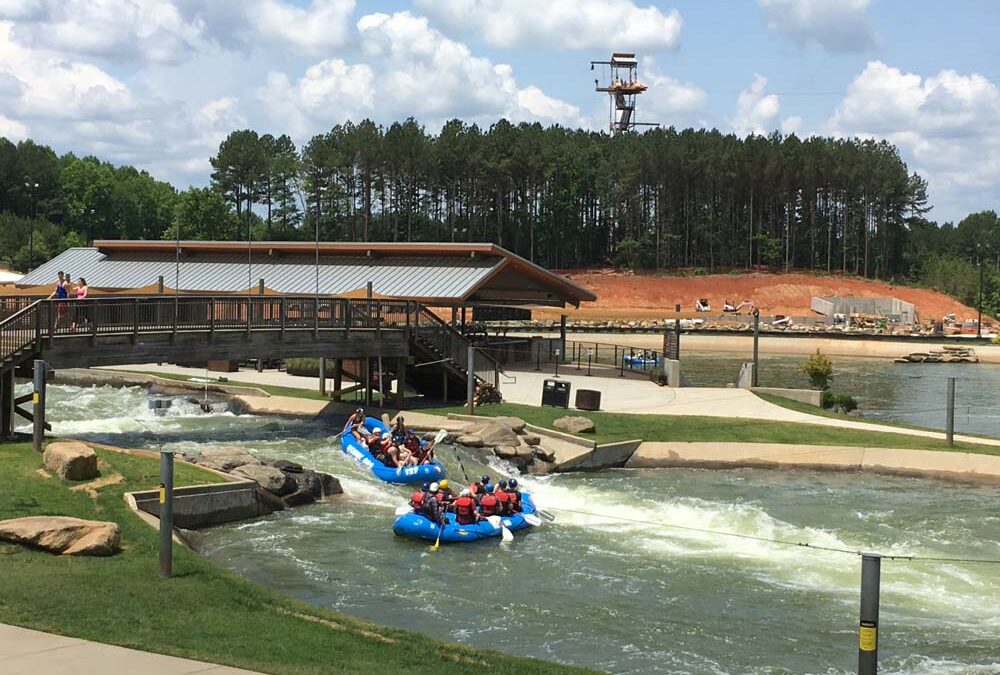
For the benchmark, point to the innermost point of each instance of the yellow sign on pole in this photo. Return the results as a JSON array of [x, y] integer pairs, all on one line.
[[867, 637], [163, 494], [34, 397]]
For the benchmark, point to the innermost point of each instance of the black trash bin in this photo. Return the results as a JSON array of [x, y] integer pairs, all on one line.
[[555, 393], [588, 399]]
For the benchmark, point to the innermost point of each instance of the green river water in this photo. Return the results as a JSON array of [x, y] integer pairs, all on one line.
[[623, 597]]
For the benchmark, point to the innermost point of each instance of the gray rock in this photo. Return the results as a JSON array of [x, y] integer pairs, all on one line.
[[300, 498], [540, 467], [509, 451], [283, 464], [499, 434], [72, 460], [515, 424], [531, 439], [226, 459], [273, 480], [308, 481], [574, 425], [331, 486], [63, 535], [470, 440], [541, 453]]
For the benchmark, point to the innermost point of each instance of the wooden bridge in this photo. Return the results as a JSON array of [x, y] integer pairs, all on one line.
[[415, 345]]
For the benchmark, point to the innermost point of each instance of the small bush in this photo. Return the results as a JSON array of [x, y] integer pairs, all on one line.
[[658, 375], [829, 399], [819, 369], [302, 367], [843, 403]]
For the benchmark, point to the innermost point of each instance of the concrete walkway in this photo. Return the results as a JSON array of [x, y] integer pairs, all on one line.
[[618, 394], [30, 652]]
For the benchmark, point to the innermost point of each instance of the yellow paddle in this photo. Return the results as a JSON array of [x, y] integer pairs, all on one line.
[[437, 544]]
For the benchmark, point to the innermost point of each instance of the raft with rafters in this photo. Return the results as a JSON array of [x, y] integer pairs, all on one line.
[[416, 526], [423, 473]]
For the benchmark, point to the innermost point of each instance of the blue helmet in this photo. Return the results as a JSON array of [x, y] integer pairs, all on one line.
[[512, 483], [503, 485], [488, 488], [426, 487], [485, 480]]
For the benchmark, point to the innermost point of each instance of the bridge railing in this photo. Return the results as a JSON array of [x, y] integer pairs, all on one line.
[[22, 323]]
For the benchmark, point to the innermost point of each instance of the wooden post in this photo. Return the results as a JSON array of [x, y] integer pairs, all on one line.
[[322, 375], [338, 378], [38, 412], [7, 404], [401, 382]]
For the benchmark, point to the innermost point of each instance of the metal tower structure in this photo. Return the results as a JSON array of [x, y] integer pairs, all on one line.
[[622, 88]]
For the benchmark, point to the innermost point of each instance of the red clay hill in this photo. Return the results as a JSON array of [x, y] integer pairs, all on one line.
[[647, 296]]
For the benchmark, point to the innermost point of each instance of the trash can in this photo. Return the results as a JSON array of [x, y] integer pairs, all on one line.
[[555, 393], [588, 399]]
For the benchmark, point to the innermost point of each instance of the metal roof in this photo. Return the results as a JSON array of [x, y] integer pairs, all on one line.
[[408, 277]]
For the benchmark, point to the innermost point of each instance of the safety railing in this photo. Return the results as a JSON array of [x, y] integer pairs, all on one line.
[[528, 352], [48, 319]]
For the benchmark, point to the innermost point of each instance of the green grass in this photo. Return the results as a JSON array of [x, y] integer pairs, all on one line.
[[611, 427], [204, 612]]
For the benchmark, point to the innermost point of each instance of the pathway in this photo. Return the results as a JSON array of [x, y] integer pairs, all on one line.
[[31, 652]]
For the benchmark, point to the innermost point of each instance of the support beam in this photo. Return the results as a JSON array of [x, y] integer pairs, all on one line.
[[401, 382], [338, 378], [562, 336], [7, 404], [470, 380], [368, 381], [322, 375]]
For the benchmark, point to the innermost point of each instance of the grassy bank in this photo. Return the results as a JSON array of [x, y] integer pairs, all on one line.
[[620, 427], [204, 612]]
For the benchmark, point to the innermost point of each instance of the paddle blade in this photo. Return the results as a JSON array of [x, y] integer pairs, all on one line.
[[505, 534], [495, 522], [532, 519], [435, 546], [546, 515], [402, 510], [440, 436]]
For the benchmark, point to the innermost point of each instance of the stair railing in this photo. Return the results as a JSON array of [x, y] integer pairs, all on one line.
[[452, 345]]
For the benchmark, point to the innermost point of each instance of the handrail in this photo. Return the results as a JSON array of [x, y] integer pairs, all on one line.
[[48, 318], [454, 346]]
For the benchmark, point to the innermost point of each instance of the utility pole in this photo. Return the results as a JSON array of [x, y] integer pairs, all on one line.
[[950, 426], [166, 513], [979, 323], [33, 188], [756, 354]]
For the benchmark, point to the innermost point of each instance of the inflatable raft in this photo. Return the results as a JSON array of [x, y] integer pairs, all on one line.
[[639, 361], [390, 474], [418, 527]]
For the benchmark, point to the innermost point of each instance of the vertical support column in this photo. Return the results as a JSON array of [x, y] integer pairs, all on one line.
[[470, 379], [166, 513], [454, 315], [38, 399], [444, 384], [368, 380], [7, 404], [756, 353], [950, 426], [381, 383], [562, 336], [338, 378], [322, 375], [871, 565], [401, 382]]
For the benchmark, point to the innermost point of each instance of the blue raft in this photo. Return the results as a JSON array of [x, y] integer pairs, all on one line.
[[419, 527], [409, 474]]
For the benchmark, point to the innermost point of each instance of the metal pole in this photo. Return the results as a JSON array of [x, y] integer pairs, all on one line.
[[166, 513], [381, 389], [538, 355], [868, 629], [590, 355], [979, 323], [38, 412], [756, 353], [557, 363], [950, 425], [322, 375], [470, 380]]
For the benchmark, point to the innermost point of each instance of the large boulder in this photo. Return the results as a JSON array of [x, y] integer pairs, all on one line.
[[541, 453], [273, 480], [331, 485], [509, 451], [493, 433], [531, 439], [283, 464], [574, 425], [515, 424], [72, 460], [226, 459], [63, 535], [470, 440]]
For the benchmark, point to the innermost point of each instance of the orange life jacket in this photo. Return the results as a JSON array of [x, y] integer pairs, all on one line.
[[515, 500], [465, 510], [488, 505], [504, 500]]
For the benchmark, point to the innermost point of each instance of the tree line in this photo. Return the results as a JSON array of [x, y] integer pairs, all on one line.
[[665, 199]]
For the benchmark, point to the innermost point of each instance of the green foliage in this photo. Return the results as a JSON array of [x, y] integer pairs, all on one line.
[[657, 375], [819, 369], [843, 403]]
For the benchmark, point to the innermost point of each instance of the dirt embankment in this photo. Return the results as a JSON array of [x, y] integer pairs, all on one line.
[[648, 296]]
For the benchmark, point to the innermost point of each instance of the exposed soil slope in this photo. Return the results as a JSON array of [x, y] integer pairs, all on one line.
[[647, 296]]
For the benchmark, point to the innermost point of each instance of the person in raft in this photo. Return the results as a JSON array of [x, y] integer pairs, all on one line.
[[515, 495], [381, 448], [465, 508], [356, 425], [398, 431], [425, 502], [446, 496]]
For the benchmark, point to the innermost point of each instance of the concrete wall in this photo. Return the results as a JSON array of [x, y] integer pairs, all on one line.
[[959, 466], [206, 505], [606, 456], [810, 396]]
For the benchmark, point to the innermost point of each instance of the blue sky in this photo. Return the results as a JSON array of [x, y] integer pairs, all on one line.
[[158, 83]]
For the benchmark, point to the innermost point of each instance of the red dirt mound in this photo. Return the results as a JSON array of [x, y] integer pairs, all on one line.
[[647, 296]]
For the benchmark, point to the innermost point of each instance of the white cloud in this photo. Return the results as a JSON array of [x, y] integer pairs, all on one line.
[[323, 26], [834, 25], [566, 24], [12, 130], [760, 113], [411, 70], [945, 126], [669, 101], [152, 30]]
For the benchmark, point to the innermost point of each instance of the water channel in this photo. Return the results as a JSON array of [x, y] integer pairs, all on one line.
[[624, 597]]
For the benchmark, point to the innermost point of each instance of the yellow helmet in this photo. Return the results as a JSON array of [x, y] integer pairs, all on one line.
[[443, 484]]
